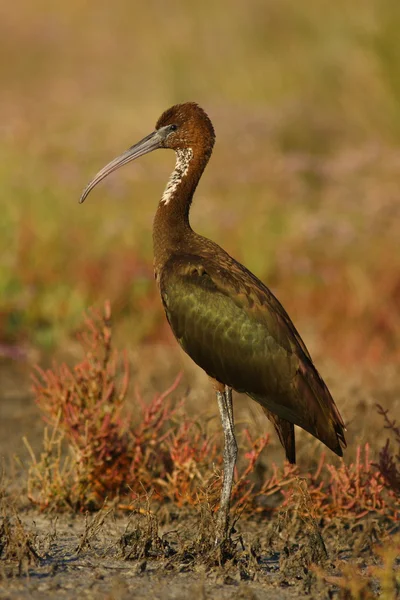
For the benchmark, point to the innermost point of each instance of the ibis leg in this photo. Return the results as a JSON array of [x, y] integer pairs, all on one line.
[[230, 455]]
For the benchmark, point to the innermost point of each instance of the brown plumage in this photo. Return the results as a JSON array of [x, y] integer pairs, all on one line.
[[222, 315]]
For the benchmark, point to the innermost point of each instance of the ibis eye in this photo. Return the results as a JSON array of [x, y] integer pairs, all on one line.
[[173, 127]]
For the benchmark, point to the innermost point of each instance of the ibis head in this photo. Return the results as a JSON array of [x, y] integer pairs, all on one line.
[[181, 127]]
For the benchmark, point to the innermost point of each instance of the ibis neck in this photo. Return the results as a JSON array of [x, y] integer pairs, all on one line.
[[171, 227]]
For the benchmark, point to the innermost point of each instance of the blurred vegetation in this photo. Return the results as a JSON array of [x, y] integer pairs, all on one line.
[[303, 186]]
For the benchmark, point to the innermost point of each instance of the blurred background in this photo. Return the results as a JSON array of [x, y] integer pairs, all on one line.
[[303, 186]]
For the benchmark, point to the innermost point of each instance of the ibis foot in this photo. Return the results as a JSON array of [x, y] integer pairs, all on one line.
[[230, 454]]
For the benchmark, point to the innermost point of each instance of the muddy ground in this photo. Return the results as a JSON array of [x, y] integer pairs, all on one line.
[[168, 553]]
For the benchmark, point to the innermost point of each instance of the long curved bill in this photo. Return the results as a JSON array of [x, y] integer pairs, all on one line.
[[146, 145]]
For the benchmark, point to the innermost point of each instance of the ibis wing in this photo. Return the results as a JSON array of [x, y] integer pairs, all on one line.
[[234, 328]]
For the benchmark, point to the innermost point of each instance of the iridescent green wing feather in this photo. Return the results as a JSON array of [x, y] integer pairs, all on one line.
[[236, 330]]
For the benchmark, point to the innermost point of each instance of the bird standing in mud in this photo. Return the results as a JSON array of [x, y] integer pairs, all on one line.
[[222, 315]]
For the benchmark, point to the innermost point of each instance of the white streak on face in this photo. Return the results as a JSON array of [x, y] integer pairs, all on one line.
[[183, 158]]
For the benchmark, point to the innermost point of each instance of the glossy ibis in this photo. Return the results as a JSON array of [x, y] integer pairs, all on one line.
[[225, 318]]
